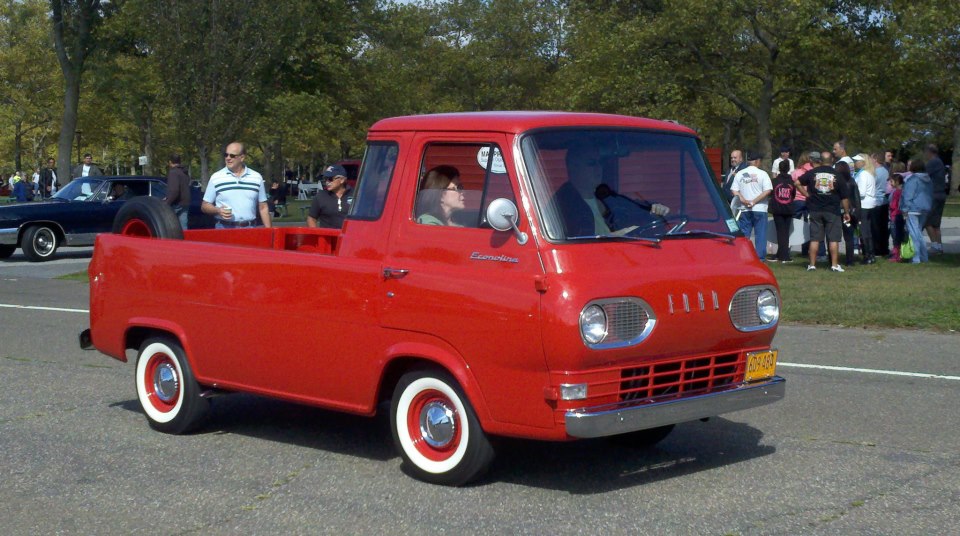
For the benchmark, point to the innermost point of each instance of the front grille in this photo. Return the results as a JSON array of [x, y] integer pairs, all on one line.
[[680, 376]]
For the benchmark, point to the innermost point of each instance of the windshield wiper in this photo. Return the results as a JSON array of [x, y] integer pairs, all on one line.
[[648, 240], [729, 238]]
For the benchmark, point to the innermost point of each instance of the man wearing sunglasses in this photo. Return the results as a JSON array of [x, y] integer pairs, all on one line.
[[236, 193], [330, 206]]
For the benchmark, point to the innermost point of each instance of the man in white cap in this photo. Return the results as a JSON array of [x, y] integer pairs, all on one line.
[[751, 188]]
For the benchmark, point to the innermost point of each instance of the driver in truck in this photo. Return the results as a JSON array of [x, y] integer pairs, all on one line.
[[583, 211]]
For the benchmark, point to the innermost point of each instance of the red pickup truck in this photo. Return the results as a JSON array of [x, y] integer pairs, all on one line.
[[579, 275]]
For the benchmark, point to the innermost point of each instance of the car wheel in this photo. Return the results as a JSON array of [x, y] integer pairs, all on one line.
[[40, 243], [436, 430], [7, 251], [168, 393], [147, 217], [644, 439]]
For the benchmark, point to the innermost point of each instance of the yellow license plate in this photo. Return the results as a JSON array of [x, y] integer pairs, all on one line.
[[761, 365]]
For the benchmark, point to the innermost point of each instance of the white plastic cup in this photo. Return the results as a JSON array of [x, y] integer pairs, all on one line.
[[226, 211]]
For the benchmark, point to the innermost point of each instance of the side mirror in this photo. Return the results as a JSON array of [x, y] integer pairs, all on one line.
[[502, 215]]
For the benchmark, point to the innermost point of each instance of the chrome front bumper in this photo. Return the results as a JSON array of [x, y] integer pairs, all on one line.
[[8, 236], [626, 417]]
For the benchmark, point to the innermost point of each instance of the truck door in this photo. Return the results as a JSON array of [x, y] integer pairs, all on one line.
[[452, 282]]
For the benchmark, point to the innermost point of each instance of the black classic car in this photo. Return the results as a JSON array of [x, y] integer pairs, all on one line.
[[77, 213]]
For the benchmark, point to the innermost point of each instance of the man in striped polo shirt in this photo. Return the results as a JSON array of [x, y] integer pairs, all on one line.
[[236, 193]]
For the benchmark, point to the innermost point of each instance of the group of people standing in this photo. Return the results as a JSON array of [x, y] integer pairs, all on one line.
[[45, 182], [841, 196]]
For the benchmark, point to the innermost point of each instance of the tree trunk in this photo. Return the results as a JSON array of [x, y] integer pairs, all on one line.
[[267, 171], [17, 145], [146, 139], [204, 163], [955, 162], [68, 124]]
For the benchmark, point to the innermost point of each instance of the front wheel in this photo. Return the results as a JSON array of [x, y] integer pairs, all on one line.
[[436, 430], [168, 393], [40, 243]]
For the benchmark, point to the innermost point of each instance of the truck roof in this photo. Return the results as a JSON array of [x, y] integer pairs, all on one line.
[[517, 122]]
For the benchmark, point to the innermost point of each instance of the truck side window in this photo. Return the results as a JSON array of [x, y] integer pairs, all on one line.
[[458, 181], [374, 181]]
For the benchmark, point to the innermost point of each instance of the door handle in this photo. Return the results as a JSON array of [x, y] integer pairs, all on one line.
[[395, 273]]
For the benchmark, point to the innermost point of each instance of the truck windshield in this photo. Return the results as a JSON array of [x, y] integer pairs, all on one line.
[[606, 183]]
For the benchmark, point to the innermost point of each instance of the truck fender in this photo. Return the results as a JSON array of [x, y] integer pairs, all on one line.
[[147, 325], [408, 355]]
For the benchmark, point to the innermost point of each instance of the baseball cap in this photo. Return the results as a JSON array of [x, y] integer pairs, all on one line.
[[334, 170], [815, 156], [858, 158]]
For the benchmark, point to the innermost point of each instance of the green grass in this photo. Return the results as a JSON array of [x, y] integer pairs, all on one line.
[[293, 211], [79, 276], [886, 294]]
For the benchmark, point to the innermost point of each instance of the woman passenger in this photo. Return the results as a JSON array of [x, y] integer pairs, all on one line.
[[440, 196]]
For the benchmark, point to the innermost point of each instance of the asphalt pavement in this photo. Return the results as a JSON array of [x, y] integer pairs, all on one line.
[[866, 442]]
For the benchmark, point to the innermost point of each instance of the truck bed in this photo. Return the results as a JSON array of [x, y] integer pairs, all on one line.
[[303, 239]]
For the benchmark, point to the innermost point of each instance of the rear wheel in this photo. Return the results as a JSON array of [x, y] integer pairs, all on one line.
[[40, 243], [436, 430], [167, 391], [7, 251], [148, 217]]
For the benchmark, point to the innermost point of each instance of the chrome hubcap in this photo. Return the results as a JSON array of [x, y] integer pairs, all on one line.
[[44, 242], [165, 383], [437, 424]]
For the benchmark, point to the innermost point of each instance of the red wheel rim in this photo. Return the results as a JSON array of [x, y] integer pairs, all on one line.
[[163, 401], [423, 401], [136, 227]]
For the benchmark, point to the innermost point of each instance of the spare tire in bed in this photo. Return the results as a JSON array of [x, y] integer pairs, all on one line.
[[147, 217]]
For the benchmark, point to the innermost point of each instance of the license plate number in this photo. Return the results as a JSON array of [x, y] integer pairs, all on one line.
[[761, 365]]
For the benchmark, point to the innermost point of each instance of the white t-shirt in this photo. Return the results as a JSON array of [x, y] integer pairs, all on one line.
[[751, 182], [867, 184], [243, 194], [776, 166]]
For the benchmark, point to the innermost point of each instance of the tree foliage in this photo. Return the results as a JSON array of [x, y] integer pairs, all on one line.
[[302, 81]]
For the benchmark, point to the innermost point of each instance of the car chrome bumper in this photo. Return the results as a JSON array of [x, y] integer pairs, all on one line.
[[8, 237], [626, 417]]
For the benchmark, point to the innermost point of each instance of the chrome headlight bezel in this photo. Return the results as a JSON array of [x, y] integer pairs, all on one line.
[[755, 308], [768, 307], [627, 321], [593, 324]]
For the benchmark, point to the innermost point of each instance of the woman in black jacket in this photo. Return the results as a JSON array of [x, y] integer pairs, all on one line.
[[782, 209]]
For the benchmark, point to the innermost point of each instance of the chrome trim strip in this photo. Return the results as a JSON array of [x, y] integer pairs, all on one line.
[[686, 303], [716, 301], [80, 239], [626, 417], [670, 301], [700, 299]]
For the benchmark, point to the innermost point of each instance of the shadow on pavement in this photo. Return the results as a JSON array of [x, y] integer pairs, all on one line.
[[579, 467]]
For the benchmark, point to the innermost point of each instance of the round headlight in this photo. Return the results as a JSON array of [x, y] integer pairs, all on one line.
[[768, 307], [593, 324]]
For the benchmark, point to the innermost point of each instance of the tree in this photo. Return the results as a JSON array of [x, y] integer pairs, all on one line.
[[218, 61], [29, 92], [930, 40], [74, 36]]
